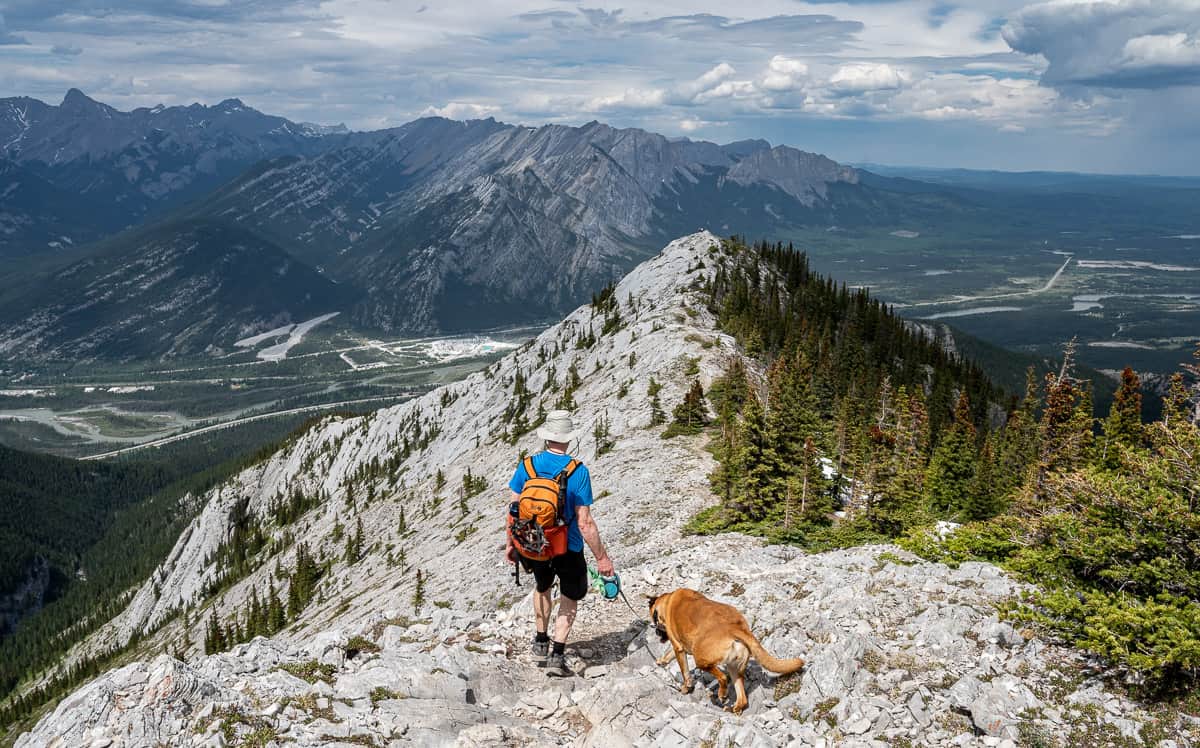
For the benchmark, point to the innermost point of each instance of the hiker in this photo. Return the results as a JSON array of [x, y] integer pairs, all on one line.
[[563, 560]]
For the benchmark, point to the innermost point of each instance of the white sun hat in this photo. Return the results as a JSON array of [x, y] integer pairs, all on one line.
[[559, 427]]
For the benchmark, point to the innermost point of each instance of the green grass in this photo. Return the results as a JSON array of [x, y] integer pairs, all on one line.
[[311, 671]]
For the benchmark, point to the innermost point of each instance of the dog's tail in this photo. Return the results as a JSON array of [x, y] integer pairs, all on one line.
[[768, 661]]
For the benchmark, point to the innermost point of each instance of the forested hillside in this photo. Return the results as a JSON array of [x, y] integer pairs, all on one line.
[[1101, 513], [55, 508], [844, 377], [103, 526]]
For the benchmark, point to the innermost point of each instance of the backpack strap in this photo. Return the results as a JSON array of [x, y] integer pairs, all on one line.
[[530, 472], [563, 476], [570, 468]]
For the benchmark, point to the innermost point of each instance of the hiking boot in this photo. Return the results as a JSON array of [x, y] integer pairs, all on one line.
[[541, 649], [556, 666]]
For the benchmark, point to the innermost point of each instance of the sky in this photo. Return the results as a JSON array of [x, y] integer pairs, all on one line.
[[1109, 86]]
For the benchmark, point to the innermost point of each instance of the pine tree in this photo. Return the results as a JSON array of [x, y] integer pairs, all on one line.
[[952, 467], [215, 640], [794, 409], [354, 543], [691, 414], [898, 504], [761, 488], [602, 433], [1123, 427], [402, 525], [418, 598], [983, 500], [1064, 434], [256, 624], [815, 505], [275, 612], [1018, 450], [657, 416]]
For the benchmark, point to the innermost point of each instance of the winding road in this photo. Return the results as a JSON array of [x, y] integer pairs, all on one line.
[[989, 297], [239, 421]]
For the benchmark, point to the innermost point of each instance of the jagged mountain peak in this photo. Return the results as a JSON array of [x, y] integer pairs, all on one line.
[[76, 99]]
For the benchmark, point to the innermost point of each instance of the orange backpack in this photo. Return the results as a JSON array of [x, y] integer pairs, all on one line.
[[536, 523]]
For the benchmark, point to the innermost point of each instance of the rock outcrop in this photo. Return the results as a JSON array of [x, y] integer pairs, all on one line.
[[900, 652]]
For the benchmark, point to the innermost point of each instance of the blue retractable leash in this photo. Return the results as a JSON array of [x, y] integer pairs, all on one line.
[[609, 587]]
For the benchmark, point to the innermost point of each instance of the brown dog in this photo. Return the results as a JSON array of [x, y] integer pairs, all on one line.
[[717, 637]]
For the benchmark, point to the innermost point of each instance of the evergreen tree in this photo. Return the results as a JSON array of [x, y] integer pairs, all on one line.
[[1064, 434], [275, 613], [813, 494], [793, 413], [952, 467], [216, 639], [983, 500], [1123, 427], [898, 504], [657, 416], [602, 433], [418, 598], [691, 414], [762, 484], [1019, 441], [294, 606], [256, 625], [354, 543]]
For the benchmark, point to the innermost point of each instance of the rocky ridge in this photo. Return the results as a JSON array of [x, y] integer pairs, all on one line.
[[899, 651]]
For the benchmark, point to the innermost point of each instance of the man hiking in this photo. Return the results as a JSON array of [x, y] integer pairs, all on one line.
[[568, 564]]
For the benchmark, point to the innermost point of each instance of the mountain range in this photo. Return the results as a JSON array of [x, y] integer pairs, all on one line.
[[134, 164], [434, 225]]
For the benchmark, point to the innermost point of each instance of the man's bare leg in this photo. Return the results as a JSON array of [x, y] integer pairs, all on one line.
[[565, 618], [542, 604]]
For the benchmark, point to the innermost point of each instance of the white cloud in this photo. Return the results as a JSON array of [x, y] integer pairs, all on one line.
[[1167, 50], [1111, 43], [784, 74], [862, 77], [691, 125], [460, 110], [690, 91], [631, 98]]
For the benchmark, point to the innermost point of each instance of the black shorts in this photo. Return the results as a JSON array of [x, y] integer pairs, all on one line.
[[570, 568]]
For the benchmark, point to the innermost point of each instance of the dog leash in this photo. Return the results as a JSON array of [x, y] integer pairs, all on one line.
[[610, 588]]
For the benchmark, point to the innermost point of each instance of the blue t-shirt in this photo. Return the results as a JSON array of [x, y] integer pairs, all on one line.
[[579, 489]]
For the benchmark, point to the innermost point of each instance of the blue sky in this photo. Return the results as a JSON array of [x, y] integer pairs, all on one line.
[[1069, 84]]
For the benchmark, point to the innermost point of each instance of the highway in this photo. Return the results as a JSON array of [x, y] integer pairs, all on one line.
[[238, 421]]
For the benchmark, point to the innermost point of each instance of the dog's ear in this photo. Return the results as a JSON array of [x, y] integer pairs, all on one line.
[[653, 599]]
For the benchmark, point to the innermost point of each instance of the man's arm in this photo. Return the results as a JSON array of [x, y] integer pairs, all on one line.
[[591, 534], [510, 553]]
